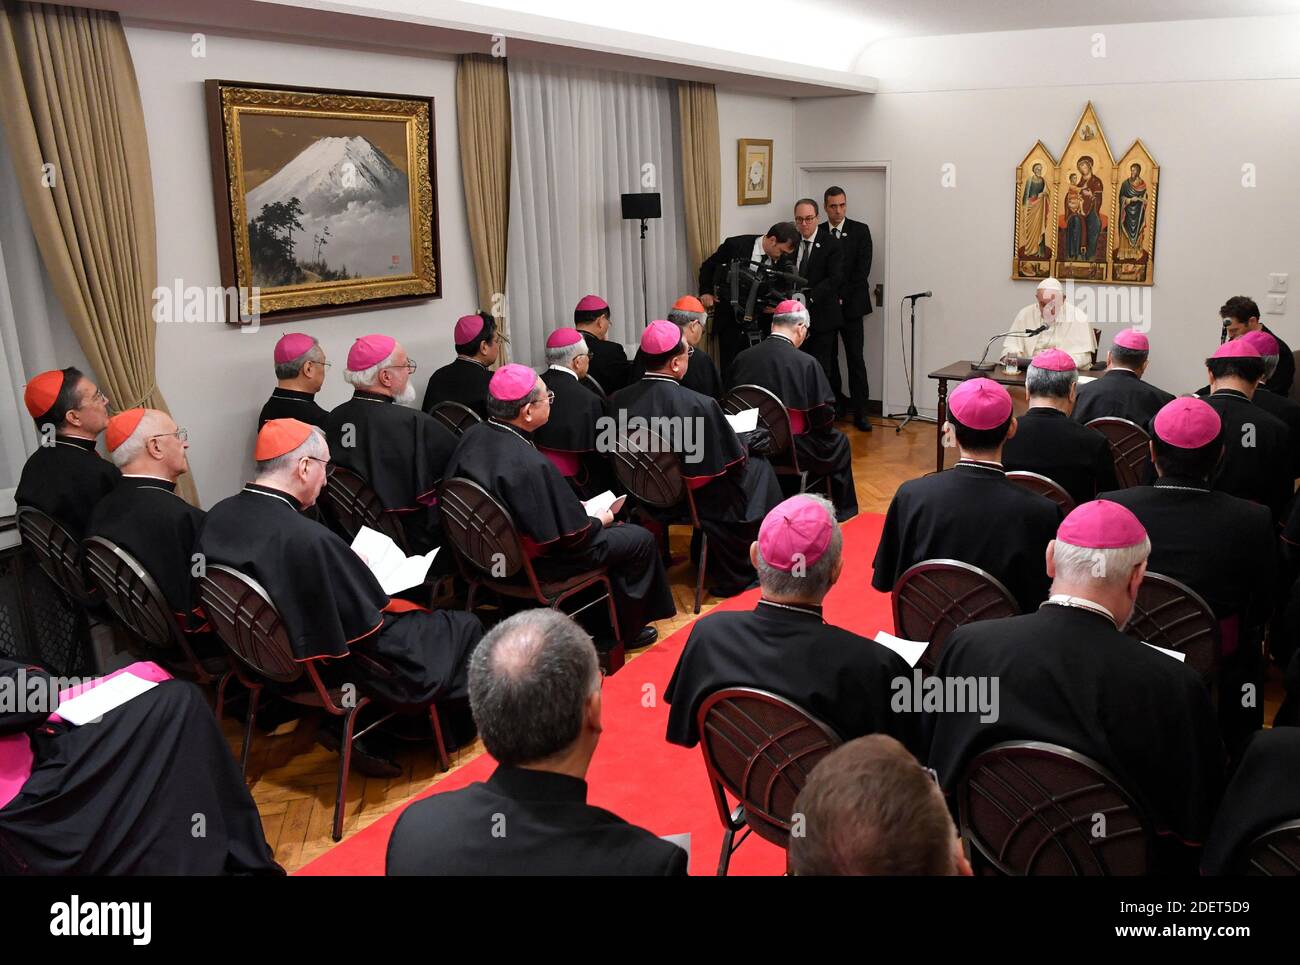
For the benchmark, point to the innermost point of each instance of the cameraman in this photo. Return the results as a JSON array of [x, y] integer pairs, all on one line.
[[759, 250]]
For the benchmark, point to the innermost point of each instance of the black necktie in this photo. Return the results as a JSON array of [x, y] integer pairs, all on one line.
[[804, 246]]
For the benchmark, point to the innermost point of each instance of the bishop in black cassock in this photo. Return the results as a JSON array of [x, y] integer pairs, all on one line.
[[1282, 406], [399, 451], [558, 534], [119, 796], [568, 437], [300, 372], [702, 374], [1046, 440], [797, 379], [608, 366], [1121, 392], [1066, 675], [331, 604], [733, 490], [465, 378], [785, 644], [970, 512], [1262, 794], [65, 477]]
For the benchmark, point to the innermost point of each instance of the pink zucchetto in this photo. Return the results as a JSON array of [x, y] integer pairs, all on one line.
[[791, 307], [1101, 525], [659, 337], [1264, 343], [1236, 349], [467, 328], [563, 338], [291, 346], [798, 529], [369, 350], [510, 383], [591, 303], [1187, 423], [1053, 360], [980, 404], [1133, 340]]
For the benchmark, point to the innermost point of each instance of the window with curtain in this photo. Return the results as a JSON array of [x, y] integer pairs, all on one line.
[[580, 139]]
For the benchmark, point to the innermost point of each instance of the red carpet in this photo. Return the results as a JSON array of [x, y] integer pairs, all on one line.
[[636, 773]]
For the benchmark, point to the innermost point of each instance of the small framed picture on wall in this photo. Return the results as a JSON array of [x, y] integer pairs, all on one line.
[[753, 170]]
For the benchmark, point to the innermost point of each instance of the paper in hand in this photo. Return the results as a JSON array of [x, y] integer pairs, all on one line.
[[1180, 657], [394, 570], [605, 501], [909, 650], [744, 421]]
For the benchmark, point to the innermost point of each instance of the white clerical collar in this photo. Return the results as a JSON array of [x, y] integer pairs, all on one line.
[[145, 475], [266, 491], [509, 428], [1079, 603], [776, 334], [656, 377], [567, 371], [980, 464]]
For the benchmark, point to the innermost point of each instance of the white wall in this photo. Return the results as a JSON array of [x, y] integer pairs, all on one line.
[[756, 116], [214, 376], [980, 101]]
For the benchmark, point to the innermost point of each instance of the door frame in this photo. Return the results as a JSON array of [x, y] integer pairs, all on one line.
[[809, 167]]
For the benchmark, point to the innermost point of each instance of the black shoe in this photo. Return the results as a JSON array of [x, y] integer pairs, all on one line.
[[861, 423], [366, 756], [647, 636]]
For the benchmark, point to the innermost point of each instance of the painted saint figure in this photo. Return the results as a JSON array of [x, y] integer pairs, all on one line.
[[1033, 216], [1074, 229], [1133, 206], [1090, 189]]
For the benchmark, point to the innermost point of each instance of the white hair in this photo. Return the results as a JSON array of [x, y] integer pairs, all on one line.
[[814, 581], [1099, 567], [565, 354], [293, 368], [1050, 382], [314, 445], [791, 318], [151, 424], [363, 378]]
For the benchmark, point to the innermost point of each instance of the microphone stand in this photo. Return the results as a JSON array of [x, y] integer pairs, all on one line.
[[645, 301], [911, 415], [982, 366]]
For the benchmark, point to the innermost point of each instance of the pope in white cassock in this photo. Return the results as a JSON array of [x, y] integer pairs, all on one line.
[[1067, 327]]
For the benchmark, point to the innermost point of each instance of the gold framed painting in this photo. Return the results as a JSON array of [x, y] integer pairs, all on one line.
[[326, 199], [753, 170], [1035, 209]]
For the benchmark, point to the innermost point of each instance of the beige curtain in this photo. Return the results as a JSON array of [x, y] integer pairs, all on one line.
[[701, 168], [483, 125], [71, 101]]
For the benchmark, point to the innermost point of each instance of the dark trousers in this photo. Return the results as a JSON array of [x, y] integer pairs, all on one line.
[[821, 345], [854, 341]]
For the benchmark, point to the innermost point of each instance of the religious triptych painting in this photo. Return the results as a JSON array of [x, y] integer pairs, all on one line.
[[1088, 216], [324, 198]]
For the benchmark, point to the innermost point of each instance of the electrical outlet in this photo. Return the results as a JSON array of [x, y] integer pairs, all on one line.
[[1276, 305], [1277, 281]]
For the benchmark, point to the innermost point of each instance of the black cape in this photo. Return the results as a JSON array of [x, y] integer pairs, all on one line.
[[733, 491], [701, 373], [559, 536], [837, 676], [66, 480], [401, 453], [548, 829], [121, 796], [608, 364], [1263, 792], [1067, 676], [1284, 374], [1288, 410], [145, 517], [1256, 465], [292, 404], [972, 514], [461, 380], [797, 379], [1049, 443], [1119, 393], [572, 430], [330, 601]]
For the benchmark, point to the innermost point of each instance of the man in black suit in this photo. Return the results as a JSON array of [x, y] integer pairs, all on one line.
[[534, 688], [608, 366], [818, 260], [770, 249], [1240, 315], [854, 240]]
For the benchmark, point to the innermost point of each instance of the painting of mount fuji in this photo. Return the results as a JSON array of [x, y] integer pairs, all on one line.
[[328, 198]]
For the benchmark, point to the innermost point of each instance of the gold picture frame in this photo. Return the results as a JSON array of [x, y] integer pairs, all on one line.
[[326, 199], [753, 170]]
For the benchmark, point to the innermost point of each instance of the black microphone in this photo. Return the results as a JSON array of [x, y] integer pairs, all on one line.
[[918, 295], [982, 366], [1038, 331]]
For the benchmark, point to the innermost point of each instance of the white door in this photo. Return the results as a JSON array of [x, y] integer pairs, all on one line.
[[865, 189]]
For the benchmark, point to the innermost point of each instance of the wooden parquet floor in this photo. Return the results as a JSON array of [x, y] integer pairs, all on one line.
[[293, 778]]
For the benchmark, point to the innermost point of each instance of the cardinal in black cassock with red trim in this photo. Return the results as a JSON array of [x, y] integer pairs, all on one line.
[[331, 604], [733, 490], [465, 378], [65, 477], [785, 644], [558, 535], [300, 368], [798, 380], [399, 451], [568, 437]]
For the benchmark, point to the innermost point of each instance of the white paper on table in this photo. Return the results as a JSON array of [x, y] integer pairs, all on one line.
[[1180, 657], [605, 501], [1085, 379], [394, 570], [682, 841], [909, 650], [92, 704], [744, 421]]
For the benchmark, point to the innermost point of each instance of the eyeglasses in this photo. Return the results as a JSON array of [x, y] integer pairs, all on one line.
[[323, 365], [182, 435], [808, 220], [409, 366], [329, 466], [95, 399]]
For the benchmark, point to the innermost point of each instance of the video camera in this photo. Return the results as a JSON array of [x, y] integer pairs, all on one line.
[[751, 287]]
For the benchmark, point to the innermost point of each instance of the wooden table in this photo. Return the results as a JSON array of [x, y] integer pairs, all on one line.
[[959, 372]]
